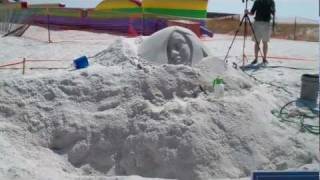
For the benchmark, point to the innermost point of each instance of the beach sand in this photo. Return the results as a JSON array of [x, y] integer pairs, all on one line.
[[122, 116]]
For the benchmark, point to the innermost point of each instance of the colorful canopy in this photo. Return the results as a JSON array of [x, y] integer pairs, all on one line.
[[126, 6], [144, 16], [180, 8]]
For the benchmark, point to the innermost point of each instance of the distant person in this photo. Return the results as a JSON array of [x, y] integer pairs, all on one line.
[[263, 10]]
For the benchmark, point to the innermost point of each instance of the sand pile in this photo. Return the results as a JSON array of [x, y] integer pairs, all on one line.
[[124, 116]]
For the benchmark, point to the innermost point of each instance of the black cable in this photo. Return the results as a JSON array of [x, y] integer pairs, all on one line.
[[283, 107], [270, 84], [263, 82], [288, 67], [303, 126]]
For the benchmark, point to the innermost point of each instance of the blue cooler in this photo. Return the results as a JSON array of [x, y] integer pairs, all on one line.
[[285, 175], [81, 62]]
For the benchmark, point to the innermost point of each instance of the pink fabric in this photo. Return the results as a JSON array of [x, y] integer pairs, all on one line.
[[137, 2]]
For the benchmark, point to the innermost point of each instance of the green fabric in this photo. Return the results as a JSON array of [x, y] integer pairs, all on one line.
[[129, 10], [177, 12], [117, 13], [54, 12]]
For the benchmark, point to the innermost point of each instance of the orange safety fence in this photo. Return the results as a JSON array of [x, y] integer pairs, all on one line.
[[11, 64], [25, 61], [277, 58], [286, 58], [51, 60]]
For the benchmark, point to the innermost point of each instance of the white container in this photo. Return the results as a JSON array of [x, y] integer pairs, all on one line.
[[218, 87], [219, 90]]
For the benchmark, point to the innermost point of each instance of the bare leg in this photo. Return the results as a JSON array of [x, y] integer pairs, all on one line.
[[265, 50], [256, 50]]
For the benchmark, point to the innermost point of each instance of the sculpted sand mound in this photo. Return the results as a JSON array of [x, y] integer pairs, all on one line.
[[124, 116]]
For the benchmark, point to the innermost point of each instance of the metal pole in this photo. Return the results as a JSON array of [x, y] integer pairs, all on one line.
[[24, 66], [244, 42], [48, 26], [233, 40], [244, 36]]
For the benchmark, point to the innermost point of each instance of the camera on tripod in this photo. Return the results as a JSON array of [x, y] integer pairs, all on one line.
[[246, 21]]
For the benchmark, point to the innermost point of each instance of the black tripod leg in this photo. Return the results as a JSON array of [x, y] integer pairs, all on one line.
[[234, 38], [255, 37], [244, 39]]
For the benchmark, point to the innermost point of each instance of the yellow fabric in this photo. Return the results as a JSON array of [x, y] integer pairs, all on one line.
[[181, 8], [176, 4], [116, 4], [161, 4]]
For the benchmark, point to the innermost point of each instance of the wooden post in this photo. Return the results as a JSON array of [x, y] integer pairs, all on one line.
[[48, 26], [295, 28], [24, 66], [142, 22]]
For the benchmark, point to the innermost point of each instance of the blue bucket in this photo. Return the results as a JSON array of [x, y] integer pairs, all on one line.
[[81, 62]]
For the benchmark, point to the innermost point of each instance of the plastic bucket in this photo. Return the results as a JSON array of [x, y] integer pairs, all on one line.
[[310, 87], [81, 62]]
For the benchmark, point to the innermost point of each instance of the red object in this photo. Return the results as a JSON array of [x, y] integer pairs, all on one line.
[[193, 26], [62, 5], [132, 32], [24, 5], [137, 2]]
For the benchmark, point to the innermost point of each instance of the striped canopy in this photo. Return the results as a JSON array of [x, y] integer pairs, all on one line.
[[128, 6], [180, 8]]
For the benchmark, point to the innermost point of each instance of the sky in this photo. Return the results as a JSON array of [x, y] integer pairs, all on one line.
[[285, 8]]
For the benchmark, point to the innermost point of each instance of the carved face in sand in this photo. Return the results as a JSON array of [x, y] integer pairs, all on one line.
[[179, 49], [173, 45]]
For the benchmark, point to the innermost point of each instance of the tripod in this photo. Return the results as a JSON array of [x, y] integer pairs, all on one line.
[[246, 20]]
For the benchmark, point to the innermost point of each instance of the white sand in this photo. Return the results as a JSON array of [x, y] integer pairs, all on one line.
[[114, 118]]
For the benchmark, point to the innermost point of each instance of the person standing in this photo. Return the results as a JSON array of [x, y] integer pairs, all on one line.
[[262, 10]]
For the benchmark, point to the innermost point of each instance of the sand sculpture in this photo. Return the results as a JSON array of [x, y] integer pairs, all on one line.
[[173, 45]]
